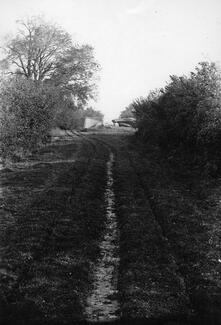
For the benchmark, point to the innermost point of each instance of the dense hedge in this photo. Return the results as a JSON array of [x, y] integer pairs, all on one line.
[[28, 111], [26, 116], [68, 116], [185, 115]]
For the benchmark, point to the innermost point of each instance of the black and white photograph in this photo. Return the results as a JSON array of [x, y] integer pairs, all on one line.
[[110, 162]]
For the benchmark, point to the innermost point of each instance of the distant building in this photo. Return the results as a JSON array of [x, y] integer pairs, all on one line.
[[90, 122]]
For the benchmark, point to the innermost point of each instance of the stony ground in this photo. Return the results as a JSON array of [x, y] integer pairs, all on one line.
[[53, 209]]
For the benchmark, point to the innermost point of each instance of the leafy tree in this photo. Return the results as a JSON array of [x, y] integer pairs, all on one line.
[[90, 112], [127, 112], [73, 118], [192, 103], [185, 115], [75, 74], [50, 79], [42, 51]]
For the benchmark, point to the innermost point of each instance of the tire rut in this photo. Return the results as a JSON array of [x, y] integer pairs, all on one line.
[[173, 264], [102, 303]]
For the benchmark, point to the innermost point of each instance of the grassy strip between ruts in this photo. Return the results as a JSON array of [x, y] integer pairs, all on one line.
[[50, 247], [150, 284]]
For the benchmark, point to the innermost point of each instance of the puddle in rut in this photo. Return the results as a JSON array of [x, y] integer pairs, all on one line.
[[102, 304]]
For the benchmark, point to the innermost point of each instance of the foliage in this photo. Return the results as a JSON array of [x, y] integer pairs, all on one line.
[[186, 114], [73, 118], [127, 112], [43, 51], [52, 80], [75, 74], [35, 49], [90, 112], [26, 116]]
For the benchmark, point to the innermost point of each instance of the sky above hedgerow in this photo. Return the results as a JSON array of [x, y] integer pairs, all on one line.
[[138, 43]]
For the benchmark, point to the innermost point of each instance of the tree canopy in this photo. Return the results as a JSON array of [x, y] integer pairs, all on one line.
[[127, 112], [49, 82], [74, 74], [42, 51]]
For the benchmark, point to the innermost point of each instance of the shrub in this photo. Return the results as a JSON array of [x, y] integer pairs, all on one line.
[[70, 117], [185, 115], [26, 115]]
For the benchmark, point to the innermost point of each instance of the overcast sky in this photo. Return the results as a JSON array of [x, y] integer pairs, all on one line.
[[138, 43]]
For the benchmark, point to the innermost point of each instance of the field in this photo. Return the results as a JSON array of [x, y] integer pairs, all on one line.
[[164, 266]]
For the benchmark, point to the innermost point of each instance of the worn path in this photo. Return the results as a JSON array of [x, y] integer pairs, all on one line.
[[90, 231], [103, 303]]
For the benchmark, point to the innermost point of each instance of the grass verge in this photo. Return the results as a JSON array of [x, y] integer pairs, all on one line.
[[187, 208], [50, 239]]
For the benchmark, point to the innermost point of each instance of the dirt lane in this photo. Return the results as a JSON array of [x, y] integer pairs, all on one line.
[[95, 229], [103, 303], [150, 283], [169, 233]]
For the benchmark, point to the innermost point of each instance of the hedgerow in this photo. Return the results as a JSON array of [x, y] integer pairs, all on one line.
[[185, 116], [26, 109]]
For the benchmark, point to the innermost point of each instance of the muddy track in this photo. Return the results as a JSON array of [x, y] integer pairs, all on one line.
[[102, 304], [177, 306], [85, 138], [197, 299], [92, 245]]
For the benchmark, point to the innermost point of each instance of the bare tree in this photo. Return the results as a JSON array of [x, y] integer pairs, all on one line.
[[35, 50]]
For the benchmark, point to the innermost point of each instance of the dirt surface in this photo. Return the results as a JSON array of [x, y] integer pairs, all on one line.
[[103, 302], [95, 211]]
